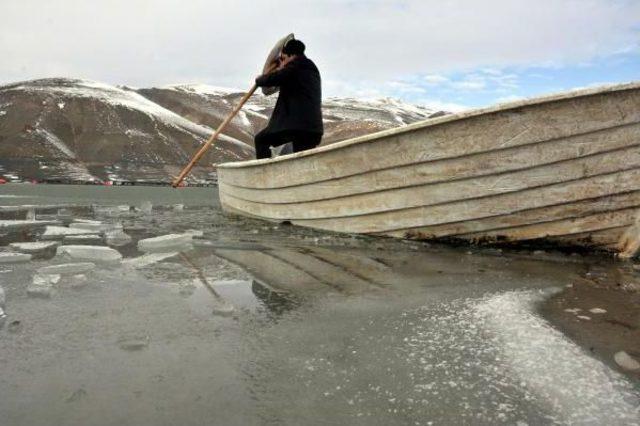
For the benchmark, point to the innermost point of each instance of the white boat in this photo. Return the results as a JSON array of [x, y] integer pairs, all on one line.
[[563, 169]]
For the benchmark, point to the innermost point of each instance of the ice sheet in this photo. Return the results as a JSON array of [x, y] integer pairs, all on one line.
[[162, 242], [13, 257], [53, 232], [15, 224], [147, 259], [89, 253], [67, 268], [33, 247]]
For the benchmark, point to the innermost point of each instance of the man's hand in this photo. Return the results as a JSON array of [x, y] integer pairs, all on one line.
[[284, 60]]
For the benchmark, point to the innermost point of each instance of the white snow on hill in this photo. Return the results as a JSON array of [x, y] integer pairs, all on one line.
[[121, 97], [203, 89]]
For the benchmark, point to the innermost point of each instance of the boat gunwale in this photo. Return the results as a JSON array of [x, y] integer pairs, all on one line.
[[433, 122]]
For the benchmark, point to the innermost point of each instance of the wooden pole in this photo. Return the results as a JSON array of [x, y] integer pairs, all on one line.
[[213, 138]]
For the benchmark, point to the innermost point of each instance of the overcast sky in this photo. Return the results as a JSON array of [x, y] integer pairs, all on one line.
[[437, 53]]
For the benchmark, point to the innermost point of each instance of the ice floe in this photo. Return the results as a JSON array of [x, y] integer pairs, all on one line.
[[598, 311], [42, 285], [33, 247], [117, 238], [147, 259], [195, 233], [95, 225], [625, 361], [53, 232], [164, 242], [90, 253], [67, 268], [16, 224], [13, 257], [112, 211]]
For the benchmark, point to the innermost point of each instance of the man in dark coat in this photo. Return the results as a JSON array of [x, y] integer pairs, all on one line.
[[297, 116]]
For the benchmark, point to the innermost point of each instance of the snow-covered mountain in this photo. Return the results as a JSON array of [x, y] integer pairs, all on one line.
[[80, 130], [64, 129]]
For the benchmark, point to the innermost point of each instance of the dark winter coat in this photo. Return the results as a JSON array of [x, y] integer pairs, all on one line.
[[299, 103]]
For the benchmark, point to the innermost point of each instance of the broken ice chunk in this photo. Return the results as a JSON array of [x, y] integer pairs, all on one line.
[[625, 361], [147, 259], [178, 207], [117, 238], [78, 281], [195, 233], [46, 279], [597, 311], [83, 239], [17, 224], [13, 257], [164, 242], [33, 247], [42, 285], [95, 225], [67, 268], [112, 210], [93, 253], [53, 232]]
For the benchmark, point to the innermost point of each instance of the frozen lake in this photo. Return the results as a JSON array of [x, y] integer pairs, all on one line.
[[232, 321]]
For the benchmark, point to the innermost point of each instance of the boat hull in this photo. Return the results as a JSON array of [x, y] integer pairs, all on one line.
[[563, 168]]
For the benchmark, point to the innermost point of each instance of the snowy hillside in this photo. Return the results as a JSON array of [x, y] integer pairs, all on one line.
[[86, 131]]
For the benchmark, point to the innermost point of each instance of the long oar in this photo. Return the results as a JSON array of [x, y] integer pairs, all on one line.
[[213, 138]]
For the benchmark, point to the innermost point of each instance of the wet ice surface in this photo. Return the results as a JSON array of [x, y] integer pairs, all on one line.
[[234, 321]]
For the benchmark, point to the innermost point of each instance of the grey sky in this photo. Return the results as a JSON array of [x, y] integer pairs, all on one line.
[[356, 43]]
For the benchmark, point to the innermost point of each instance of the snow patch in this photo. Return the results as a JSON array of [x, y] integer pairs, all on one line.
[[203, 89], [124, 98], [243, 119], [55, 141], [575, 386]]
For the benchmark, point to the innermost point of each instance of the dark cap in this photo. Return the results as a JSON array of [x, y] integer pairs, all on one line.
[[293, 47]]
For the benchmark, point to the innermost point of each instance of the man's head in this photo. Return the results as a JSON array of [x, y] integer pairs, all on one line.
[[292, 48]]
